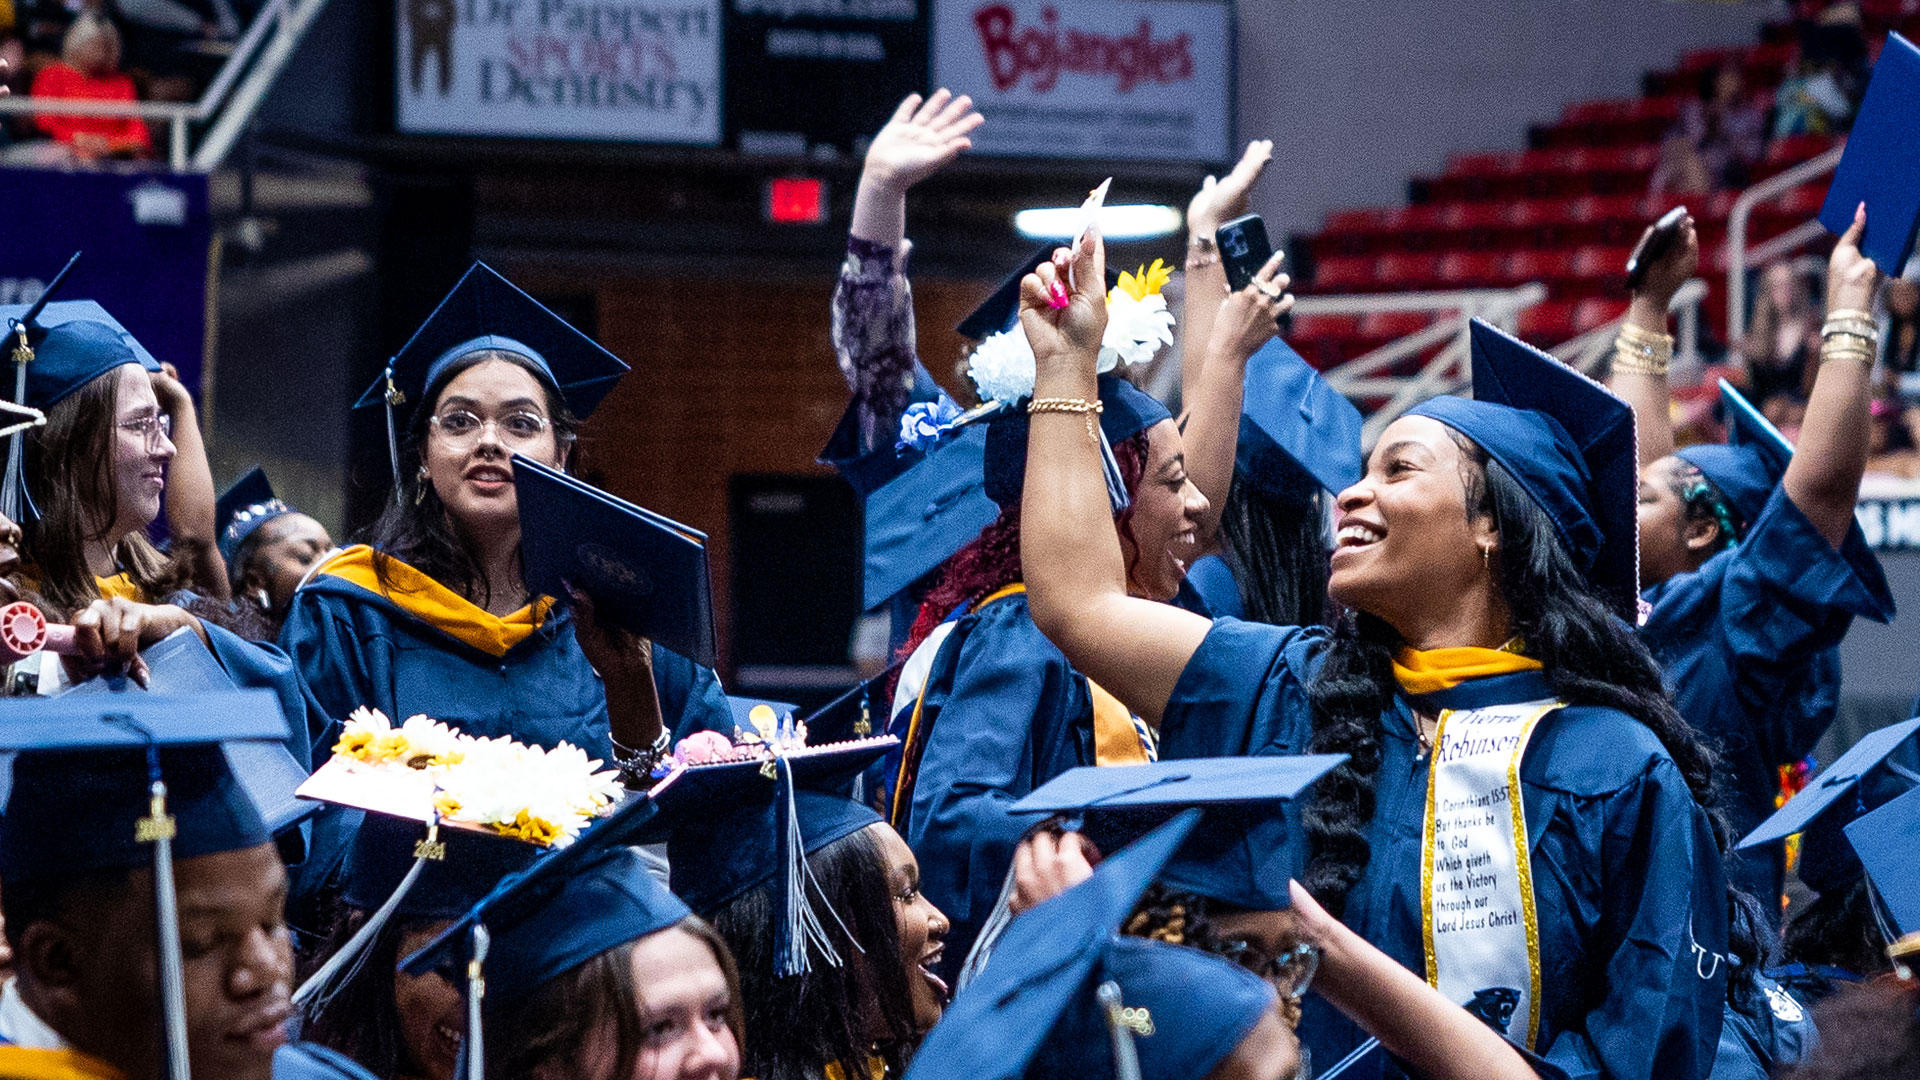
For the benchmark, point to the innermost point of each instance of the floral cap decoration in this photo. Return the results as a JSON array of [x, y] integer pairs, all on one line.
[[1139, 324]]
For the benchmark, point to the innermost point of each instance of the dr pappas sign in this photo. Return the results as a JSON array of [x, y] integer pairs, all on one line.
[[1091, 78], [633, 70]]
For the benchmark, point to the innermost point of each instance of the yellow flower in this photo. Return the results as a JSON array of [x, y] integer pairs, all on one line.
[[1145, 282], [526, 826]]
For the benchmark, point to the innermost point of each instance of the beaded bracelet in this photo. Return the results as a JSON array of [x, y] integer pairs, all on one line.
[[1089, 409]]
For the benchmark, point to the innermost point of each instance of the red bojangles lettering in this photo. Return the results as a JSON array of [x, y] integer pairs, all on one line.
[[1044, 51]]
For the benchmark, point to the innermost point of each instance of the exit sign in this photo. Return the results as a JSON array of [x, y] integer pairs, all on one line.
[[796, 200]]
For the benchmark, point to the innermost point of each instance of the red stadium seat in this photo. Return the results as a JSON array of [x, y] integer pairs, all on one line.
[[1405, 270], [1590, 313], [1325, 326], [1351, 273], [1548, 324], [1543, 266], [1368, 220], [1393, 324], [1471, 269]]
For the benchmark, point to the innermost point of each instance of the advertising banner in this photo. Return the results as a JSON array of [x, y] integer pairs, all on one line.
[[617, 70], [805, 74], [1091, 78]]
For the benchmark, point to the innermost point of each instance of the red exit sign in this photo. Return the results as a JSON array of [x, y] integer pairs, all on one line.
[[796, 200]]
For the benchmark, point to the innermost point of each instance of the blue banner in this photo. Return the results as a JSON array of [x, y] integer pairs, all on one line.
[[146, 241]]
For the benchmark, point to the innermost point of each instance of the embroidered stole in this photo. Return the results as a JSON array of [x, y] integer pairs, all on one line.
[[1481, 936]]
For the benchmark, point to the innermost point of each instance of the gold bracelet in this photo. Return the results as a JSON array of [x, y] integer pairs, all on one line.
[[1847, 340], [1867, 330], [1641, 335], [1839, 348], [1642, 352], [1633, 362], [1089, 409], [1849, 313]]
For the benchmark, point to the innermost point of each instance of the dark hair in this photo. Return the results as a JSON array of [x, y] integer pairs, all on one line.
[[992, 560], [1275, 547], [800, 1023], [69, 474], [1868, 1031], [414, 528], [360, 1017], [1177, 917], [1837, 929], [1702, 500], [26, 901], [558, 1020], [1590, 657]]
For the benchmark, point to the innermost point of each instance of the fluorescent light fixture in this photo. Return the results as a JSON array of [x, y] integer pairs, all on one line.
[[1138, 221]]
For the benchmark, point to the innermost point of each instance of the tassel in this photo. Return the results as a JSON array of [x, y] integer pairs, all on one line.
[[799, 925], [343, 965], [158, 828], [391, 400], [997, 922], [475, 1045], [1116, 484], [1126, 1060], [13, 486]]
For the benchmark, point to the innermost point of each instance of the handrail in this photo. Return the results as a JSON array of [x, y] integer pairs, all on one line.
[[286, 20], [1742, 209], [1585, 352]]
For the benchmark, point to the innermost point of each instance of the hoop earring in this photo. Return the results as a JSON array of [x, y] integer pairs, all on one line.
[[1486, 559], [421, 484]]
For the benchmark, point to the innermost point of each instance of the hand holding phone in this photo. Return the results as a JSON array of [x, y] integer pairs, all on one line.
[[1654, 246], [1244, 249]]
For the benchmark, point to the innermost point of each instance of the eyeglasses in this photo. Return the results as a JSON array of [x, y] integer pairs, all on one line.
[[462, 428], [1290, 973], [151, 429]]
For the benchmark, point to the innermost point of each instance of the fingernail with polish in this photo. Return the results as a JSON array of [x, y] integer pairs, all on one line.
[[1057, 296]]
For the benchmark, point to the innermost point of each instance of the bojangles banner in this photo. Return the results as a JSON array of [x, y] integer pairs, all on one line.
[[1136, 79]]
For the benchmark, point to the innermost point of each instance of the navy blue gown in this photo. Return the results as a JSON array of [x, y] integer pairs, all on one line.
[[1628, 883]]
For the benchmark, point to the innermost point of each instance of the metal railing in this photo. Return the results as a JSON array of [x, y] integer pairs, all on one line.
[[1739, 256], [229, 102], [1586, 352]]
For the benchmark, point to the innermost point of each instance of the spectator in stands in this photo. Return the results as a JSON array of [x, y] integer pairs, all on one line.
[[1827, 81], [1893, 444], [89, 70], [1783, 333], [1716, 141], [1900, 339]]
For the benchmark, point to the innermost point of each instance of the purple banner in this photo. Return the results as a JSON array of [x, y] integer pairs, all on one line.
[[146, 242]]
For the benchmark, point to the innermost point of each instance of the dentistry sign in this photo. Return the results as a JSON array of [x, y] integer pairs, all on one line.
[[1091, 78], [623, 70]]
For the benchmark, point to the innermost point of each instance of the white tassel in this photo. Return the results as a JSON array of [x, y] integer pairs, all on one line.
[[802, 925], [476, 994], [997, 922], [336, 969]]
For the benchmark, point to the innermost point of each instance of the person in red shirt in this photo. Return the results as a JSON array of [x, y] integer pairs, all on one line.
[[89, 69]]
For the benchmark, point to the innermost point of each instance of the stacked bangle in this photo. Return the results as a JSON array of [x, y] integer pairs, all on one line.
[[1201, 253], [1642, 351], [636, 766], [1089, 409], [1849, 334]]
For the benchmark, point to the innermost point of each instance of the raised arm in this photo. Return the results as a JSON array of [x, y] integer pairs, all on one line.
[[1639, 378], [190, 494], [1215, 202], [1069, 551], [1213, 401], [1824, 478]]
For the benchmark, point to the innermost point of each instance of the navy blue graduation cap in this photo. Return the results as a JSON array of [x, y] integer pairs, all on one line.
[[244, 507], [1842, 787], [1239, 852], [131, 781], [734, 826], [918, 520], [311, 1061], [1126, 411], [1569, 442], [856, 714], [383, 854], [1879, 166], [646, 573], [486, 312], [742, 710], [73, 342], [1001, 310], [1888, 843], [1293, 420], [1044, 965], [866, 469]]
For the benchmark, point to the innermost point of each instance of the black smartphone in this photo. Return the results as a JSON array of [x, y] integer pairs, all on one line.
[[1244, 249], [1666, 233]]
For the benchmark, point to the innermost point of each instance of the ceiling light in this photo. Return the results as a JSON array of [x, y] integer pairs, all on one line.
[[1138, 221]]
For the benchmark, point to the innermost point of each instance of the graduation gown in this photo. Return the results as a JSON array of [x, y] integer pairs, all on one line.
[[1212, 580], [1007, 714], [424, 649], [1628, 885], [1750, 644]]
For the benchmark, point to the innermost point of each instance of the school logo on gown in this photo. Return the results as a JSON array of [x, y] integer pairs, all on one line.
[[1494, 1006], [613, 571]]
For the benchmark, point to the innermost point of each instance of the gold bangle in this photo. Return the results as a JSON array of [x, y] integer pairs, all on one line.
[[1847, 340], [1863, 331], [1641, 335], [1088, 409], [1837, 350], [1623, 362], [1849, 313]]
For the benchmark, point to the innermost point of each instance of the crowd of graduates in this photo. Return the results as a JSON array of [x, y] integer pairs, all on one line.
[[1214, 744]]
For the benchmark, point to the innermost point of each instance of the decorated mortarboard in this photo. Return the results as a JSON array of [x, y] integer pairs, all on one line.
[[1046, 963], [311, 1061], [451, 816], [244, 507], [918, 520], [856, 714], [1837, 787], [1001, 311], [736, 817], [486, 312], [747, 710], [1879, 166], [132, 781], [646, 573], [1293, 420], [1239, 852], [1569, 442], [1888, 843]]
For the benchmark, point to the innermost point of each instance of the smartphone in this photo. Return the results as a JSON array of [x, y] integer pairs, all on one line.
[[1666, 232], [1244, 249]]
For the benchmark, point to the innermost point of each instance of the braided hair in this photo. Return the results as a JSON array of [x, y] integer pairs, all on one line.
[[1702, 500], [1589, 655]]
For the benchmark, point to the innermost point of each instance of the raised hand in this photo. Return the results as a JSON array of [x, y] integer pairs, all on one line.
[[1673, 268], [1065, 314], [1247, 318], [1226, 199], [1851, 276], [922, 138]]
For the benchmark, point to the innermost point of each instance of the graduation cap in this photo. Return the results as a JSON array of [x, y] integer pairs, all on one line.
[[735, 826], [244, 507], [1126, 411], [866, 470], [646, 573], [1237, 854], [1292, 421], [486, 312], [1569, 442], [1041, 996], [1879, 167], [743, 708], [918, 520], [1001, 311], [856, 714], [1868, 775], [1888, 843], [311, 1061], [131, 781]]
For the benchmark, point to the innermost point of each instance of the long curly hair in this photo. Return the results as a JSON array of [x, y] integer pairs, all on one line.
[[1589, 655], [991, 560]]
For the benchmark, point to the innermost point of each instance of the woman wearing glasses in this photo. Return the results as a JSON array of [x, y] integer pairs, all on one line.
[[432, 615]]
